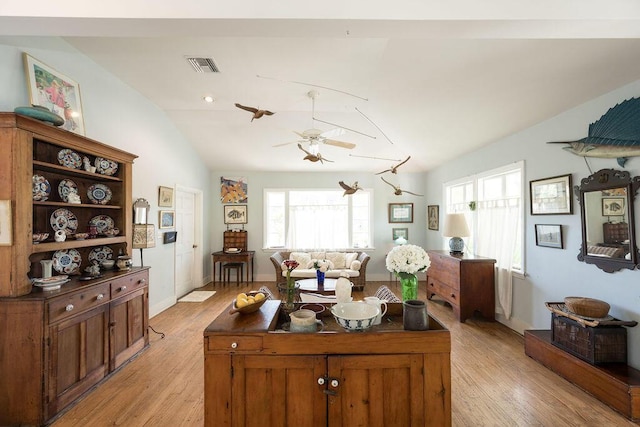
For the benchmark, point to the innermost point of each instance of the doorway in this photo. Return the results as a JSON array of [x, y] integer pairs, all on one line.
[[188, 251]]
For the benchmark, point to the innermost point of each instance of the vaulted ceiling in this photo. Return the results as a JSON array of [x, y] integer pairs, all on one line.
[[439, 80]]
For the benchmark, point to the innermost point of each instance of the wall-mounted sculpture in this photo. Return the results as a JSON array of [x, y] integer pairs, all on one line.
[[614, 135]]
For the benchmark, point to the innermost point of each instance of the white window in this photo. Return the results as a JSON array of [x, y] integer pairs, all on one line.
[[316, 219], [493, 206]]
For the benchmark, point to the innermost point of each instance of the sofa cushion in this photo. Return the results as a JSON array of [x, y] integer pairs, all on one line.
[[303, 258], [318, 255], [349, 258], [355, 265], [338, 259]]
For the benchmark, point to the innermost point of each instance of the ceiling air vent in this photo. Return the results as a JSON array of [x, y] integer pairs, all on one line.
[[203, 65]]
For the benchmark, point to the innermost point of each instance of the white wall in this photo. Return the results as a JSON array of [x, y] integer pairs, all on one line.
[[552, 274], [383, 195], [118, 116]]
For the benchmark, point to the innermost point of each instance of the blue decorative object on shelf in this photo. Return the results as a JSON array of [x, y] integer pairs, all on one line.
[[40, 113]]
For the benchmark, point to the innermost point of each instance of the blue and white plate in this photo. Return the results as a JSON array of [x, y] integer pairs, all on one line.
[[41, 188], [106, 166], [99, 194], [69, 158], [102, 223], [99, 254], [63, 219], [67, 261]]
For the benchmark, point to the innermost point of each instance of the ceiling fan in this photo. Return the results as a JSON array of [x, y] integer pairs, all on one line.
[[315, 136]]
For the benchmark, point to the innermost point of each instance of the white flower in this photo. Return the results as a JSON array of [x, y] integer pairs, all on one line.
[[322, 265], [408, 259]]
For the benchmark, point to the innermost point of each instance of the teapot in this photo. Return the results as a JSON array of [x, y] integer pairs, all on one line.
[[124, 263], [343, 288]]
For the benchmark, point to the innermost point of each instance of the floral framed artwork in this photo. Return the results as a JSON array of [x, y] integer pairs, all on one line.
[[6, 228], [614, 206], [56, 92], [235, 214], [433, 217], [551, 196], [167, 219], [549, 235], [400, 212], [233, 190], [400, 232], [165, 197]]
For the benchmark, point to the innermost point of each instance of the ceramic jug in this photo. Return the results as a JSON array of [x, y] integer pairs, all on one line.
[[46, 268], [60, 236], [124, 263], [380, 305], [343, 288], [414, 316], [304, 320]]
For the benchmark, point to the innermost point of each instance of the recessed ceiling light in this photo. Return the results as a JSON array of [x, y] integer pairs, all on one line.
[[208, 99]]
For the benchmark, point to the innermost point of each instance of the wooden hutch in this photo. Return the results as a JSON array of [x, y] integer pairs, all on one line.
[[56, 345]]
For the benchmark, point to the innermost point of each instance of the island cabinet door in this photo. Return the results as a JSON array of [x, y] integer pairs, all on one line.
[[278, 391], [384, 390]]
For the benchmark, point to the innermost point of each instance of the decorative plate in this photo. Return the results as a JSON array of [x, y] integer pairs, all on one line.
[[99, 194], [65, 187], [106, 166], [63, 219], [69, 158], [51, 286], [41, 188], [102, 223], [67, 261], [40, 113], [53, 280], [99, 254]]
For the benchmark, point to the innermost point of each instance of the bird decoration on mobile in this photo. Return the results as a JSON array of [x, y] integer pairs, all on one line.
[[257, 113], [614, 135], [394, 169], [313, 157], [349, 189], [397, 190]]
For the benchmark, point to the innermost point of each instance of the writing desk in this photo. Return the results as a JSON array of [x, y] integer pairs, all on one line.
[[221, 257]]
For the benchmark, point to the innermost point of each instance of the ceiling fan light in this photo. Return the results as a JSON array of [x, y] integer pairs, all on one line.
[[208, 99], [314, 149]]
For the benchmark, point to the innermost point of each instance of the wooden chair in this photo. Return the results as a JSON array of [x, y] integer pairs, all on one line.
[[226, 272]]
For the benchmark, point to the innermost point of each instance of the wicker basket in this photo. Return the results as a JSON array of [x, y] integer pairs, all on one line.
[[587, 307]]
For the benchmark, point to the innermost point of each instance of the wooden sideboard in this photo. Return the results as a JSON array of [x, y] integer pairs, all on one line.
[[257, 374], [466, 282]]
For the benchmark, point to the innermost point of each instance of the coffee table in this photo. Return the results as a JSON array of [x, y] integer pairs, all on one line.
[[311, 285]]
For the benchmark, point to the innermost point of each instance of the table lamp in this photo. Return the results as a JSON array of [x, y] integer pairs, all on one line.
[[143, 238], [455, 226]]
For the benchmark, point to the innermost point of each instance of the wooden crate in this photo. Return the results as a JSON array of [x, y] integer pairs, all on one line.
[[596, 345], [235, 239]]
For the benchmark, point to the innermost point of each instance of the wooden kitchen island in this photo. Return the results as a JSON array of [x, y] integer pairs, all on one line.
[[258, 374]]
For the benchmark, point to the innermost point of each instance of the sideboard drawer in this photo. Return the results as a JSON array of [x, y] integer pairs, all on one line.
[[448, 293], [77, 302], [129, 283], [234, 343]]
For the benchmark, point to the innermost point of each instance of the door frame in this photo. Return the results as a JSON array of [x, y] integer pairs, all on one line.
[[197, 239]]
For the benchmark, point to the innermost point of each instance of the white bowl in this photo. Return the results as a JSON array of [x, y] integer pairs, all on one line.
[[355, 316]]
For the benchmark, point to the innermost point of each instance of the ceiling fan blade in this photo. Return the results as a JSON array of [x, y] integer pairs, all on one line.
[[341, 144], [299, 134], [333, 133], [284, 143]]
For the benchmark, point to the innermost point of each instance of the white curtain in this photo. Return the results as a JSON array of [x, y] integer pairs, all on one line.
[[497, 231], [317, 227]]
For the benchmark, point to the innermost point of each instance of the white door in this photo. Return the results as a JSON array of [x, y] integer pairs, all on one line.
[[188, 268]]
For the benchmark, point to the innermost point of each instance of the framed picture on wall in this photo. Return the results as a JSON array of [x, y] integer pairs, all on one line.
[[613, 206], [54, 92], [165, 197], [400, 232], [167, 219], [549, 235], [235, 214], [551, 196], [400, 212], [433, 217]]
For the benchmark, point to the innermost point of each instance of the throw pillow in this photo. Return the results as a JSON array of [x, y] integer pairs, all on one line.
[[349, 258], [318, 255], [355, 265], [303, 258], [338, 259]]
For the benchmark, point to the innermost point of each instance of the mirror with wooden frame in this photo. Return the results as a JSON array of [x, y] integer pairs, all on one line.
[[608, 226]]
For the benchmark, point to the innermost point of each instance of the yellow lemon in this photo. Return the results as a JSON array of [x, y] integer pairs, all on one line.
[[251, 299], [242, 296], [259, 296], [241, 302]]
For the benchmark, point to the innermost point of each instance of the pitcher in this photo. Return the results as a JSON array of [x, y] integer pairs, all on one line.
[[377, 302]]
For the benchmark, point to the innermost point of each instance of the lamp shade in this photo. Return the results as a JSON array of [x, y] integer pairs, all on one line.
[[455, 225], [400, 241], [144, 236]]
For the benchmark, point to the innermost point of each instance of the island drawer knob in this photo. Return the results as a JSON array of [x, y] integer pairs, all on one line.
[[321, 381], [335, 383], [100, 296], [234, 345], [69, 307]]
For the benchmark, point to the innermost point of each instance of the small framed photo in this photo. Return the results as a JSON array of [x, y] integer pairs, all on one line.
[[235, 214], [551, 196], [6, 227], [400, 212], [549, 235], [56, 92], [167, 219], [433, 217], [165, 197], [400, 232], [614, 206]]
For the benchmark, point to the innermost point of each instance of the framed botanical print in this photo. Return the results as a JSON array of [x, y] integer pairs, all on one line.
[[400, 212], [165, 197], [551, 196], [400, 232], [235, 214], [614, 206]]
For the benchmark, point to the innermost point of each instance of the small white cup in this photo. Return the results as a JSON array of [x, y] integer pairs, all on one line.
[[377, 302], [304, 320]]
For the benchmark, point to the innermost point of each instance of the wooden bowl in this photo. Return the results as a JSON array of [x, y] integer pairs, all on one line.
[[251, 308], [587, 307]]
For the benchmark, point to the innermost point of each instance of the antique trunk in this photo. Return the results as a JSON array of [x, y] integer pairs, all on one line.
[[596, 345]]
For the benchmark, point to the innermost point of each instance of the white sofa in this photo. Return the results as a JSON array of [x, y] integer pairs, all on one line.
[[352, 263]]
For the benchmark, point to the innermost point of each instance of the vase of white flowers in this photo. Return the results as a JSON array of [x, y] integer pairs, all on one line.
[[405, 262], [321, 266]]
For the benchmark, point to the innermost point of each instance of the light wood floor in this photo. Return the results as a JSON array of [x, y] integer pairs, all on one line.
[[493, 382]]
